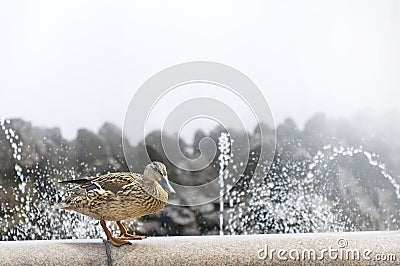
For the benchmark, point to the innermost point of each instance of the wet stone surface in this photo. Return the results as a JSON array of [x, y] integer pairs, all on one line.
[[363, 248]]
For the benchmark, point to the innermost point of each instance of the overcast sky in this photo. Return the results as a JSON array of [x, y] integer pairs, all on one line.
[[74, 64]]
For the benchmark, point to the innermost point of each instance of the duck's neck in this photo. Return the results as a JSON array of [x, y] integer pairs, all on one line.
[[155, 190]]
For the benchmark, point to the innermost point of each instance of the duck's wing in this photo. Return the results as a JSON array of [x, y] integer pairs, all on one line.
[[85, 184], [116, 181], [112, 182]]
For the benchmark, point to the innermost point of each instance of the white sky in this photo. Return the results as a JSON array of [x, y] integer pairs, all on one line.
[[74, 64]]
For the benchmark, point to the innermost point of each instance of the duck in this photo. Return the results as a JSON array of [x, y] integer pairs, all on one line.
[[120, 196]]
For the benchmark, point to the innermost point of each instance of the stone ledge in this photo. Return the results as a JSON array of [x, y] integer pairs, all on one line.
[[210, 250], [53, 252]]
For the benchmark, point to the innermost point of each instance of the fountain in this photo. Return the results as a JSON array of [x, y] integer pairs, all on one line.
[[296, 197], [28, 211], [224, 158], [304, 195]]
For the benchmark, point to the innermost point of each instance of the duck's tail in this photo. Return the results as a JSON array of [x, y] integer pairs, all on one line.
[[60, 206], [76, 181]]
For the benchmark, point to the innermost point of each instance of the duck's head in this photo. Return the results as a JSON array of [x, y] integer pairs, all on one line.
[[157, 172]]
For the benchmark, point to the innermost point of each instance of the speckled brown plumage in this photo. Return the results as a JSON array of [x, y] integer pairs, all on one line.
[[120, 196]]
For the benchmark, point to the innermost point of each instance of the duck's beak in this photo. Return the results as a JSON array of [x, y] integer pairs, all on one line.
[[166, 185]]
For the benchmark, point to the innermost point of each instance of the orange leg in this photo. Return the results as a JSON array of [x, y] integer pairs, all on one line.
[[124, 234], [115, 241]]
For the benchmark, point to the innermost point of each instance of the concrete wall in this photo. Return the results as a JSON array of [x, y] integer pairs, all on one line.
[[364, 248]]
